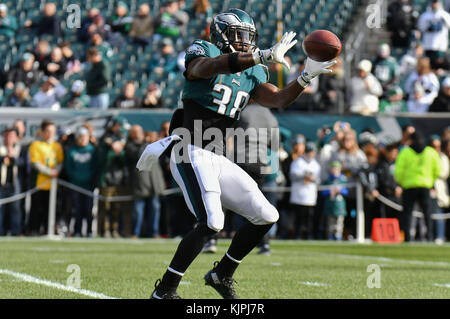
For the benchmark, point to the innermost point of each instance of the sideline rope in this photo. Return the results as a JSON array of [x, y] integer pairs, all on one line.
[[415, 213], [20, 196], [177, 190]]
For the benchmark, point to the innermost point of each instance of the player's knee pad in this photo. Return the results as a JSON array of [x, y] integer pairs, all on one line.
[[215, 218], [270, 214], [267, 213], [215, 223]]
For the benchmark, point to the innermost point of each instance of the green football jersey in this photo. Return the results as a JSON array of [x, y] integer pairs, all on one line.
[[226, 94], [386, 70]]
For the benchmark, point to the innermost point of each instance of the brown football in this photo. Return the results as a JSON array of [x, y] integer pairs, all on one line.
[[322, 45]]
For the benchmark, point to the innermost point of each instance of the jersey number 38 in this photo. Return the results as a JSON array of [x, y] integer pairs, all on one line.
[[240, 101]]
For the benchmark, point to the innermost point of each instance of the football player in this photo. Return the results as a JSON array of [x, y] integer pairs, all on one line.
[[221, 77]]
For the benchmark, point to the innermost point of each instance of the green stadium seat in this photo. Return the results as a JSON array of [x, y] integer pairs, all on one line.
[[30, 4]]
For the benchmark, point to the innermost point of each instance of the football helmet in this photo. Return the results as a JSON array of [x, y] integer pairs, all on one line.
[[233, 30]]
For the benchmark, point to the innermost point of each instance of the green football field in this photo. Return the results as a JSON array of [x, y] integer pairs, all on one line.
[[126, 268]]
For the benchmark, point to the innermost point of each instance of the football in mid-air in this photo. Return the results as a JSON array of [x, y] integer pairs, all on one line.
[[322, 45]]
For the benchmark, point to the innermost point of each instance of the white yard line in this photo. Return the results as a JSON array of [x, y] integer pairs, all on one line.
[[314, 284], [38, 281], [442, 285], [386, 259]]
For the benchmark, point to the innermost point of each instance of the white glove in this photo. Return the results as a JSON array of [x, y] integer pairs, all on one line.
[[277, 52], [313, 69]]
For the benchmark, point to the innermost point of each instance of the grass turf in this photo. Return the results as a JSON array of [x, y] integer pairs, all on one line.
[[296, 269]]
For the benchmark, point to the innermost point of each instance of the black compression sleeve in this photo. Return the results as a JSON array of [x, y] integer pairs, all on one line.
[[233, 62]]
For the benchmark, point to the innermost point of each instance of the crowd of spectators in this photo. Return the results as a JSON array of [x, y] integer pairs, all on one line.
[[102, 38], [321, 203], [416, 78], [415, 81]]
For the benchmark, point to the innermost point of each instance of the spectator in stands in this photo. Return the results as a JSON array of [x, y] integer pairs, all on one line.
[[90, 128], [401, 21], [369, 180], [335, 204], [98, 25], [97, 79], [72, 60], [442, 101], [352, 160], [20, 97], [170, 22], [439, 193], [408, 62], [387, 185], [366, 90], [349, 155], [274, 79], [166, 61], [8, 24], [332, 89], [422, 87], [367, 140], [24, 171], [19, 126], [11, 162], [79, 166], [305, 176], [146, 186], [42, 52], [297, 150], [46, 157], [142, 27], [55, 65], [49, 22], [152, 98], [24, 72], [407, 131], [201, 10], [128, 99], [76, 99], [385, 68], [83, 33], [434, 25], [120, 21], [308, 100], [416, 169], [104, 48], [111, 177], [329, 142], [394, 103], [49, 95], [151, 136]]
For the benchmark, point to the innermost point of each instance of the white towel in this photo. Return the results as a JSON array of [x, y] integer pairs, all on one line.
[[153, 151]]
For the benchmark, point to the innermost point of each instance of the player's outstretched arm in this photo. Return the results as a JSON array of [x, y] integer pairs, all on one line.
[[206, 68], [269, 95]]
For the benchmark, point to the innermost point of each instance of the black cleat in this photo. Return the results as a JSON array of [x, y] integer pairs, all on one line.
[[224, 286], [163, 295]]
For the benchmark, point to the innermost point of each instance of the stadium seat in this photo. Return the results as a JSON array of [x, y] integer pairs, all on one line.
[[30, 4]]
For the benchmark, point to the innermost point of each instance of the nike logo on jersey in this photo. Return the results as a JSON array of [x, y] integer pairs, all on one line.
[[236, 82]]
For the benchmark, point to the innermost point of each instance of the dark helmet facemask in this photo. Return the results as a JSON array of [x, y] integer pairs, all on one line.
[[242, 36], [234, 30]]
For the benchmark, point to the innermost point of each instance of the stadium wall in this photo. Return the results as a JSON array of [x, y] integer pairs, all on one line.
[[291, 123]]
